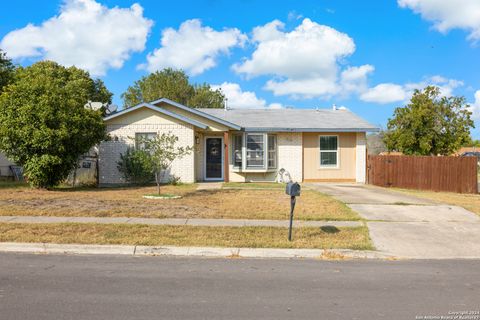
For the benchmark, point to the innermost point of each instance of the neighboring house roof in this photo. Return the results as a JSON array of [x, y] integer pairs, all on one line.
[[295, 120], [158, 109]]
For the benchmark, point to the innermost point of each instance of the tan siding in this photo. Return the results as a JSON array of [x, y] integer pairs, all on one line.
[[142, 116], [311, 159]]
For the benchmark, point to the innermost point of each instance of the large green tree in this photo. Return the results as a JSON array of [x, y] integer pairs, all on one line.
[[174, 85], [430, 124], [7, 70], [44, 125]]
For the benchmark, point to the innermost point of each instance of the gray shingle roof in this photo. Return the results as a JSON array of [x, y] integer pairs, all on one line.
[[293, 119]]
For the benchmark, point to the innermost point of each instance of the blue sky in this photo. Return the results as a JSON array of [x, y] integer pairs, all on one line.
[[365, 55]]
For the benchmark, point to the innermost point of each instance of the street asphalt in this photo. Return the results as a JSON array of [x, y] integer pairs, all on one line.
[[120, 287]]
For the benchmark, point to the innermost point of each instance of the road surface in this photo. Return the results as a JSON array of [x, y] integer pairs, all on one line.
[[119, 287]]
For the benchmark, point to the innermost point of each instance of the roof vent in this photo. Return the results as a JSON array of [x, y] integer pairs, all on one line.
[[226, 104], [334, 107]]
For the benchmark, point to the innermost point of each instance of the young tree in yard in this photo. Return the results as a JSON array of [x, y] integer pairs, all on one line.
[[44, 125], [163, 152], [429, 125], [174, 85]]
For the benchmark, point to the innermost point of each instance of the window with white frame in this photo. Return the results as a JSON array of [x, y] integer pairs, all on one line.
[[255, 150], [272, 151], [237, 151], [142, 137], [328, 151], [259, 150]]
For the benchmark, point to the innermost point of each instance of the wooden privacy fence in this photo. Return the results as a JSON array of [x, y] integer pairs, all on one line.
[[454, 174]]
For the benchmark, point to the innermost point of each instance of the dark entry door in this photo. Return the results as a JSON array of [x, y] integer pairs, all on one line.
[[213, 158]]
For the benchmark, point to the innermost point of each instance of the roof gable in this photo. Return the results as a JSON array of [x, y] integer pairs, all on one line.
[[198, 112], [157, 109]]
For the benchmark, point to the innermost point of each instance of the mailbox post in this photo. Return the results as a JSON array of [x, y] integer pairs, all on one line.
[[293, 190]]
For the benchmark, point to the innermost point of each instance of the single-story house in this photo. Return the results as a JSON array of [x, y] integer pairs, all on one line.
[[243, 145]]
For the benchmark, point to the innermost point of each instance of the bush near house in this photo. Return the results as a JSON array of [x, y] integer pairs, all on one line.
[[136, 166], [44, 125]]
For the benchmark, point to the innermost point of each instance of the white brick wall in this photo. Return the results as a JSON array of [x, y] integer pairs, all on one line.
[[109, 152]]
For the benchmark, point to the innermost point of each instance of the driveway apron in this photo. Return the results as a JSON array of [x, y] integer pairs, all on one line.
[[409, 227]]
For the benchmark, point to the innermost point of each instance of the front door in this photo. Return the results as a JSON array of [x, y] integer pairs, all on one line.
[[213, 158]]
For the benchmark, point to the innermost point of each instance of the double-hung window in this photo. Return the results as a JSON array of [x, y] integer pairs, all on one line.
[[255, 151], [142, 138], [328, 151]]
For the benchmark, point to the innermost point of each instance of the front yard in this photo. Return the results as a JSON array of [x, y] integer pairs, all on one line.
[[246, 203], [233, 201], [253, 237]]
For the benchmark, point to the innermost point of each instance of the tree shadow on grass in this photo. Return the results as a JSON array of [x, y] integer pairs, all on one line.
[[330, 229]]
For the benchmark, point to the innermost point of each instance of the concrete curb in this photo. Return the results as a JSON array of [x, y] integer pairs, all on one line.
[[213, 252]]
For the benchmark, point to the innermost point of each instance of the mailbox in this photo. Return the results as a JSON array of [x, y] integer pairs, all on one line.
[[293, 189]]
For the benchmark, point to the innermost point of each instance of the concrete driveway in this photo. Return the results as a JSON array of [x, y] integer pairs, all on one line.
[[410, 227]]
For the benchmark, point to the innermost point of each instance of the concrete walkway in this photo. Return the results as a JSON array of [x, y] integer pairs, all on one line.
[[209, 185], [407, 226], [178, 222]]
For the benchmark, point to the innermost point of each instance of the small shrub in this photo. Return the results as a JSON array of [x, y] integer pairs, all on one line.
[[136, 166], [174, 180]]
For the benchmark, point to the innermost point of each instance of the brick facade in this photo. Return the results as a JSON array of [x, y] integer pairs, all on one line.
[[123, 137]]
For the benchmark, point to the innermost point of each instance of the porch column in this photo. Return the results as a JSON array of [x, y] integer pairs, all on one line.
[[226, 157]]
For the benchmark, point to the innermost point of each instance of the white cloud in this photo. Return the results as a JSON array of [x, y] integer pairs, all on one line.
[[390, 92], [475, 106], [85, 34], [446, 86], [354, 79], [304, 62], [238, 99], [192, 47], [384, 93], [448, 14]]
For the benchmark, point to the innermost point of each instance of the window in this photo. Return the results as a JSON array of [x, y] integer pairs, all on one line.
[[237, 150], [255, 150], [140, 139], [272, 151], [258, 149], [328, 151]]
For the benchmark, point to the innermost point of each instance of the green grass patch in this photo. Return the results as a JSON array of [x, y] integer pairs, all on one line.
[[13, 184]]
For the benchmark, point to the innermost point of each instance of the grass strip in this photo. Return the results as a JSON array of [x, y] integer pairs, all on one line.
[[254, 237]]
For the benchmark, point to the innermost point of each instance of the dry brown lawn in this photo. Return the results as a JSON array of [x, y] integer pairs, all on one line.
[[128, 202], [470, 202], [253, 237]]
